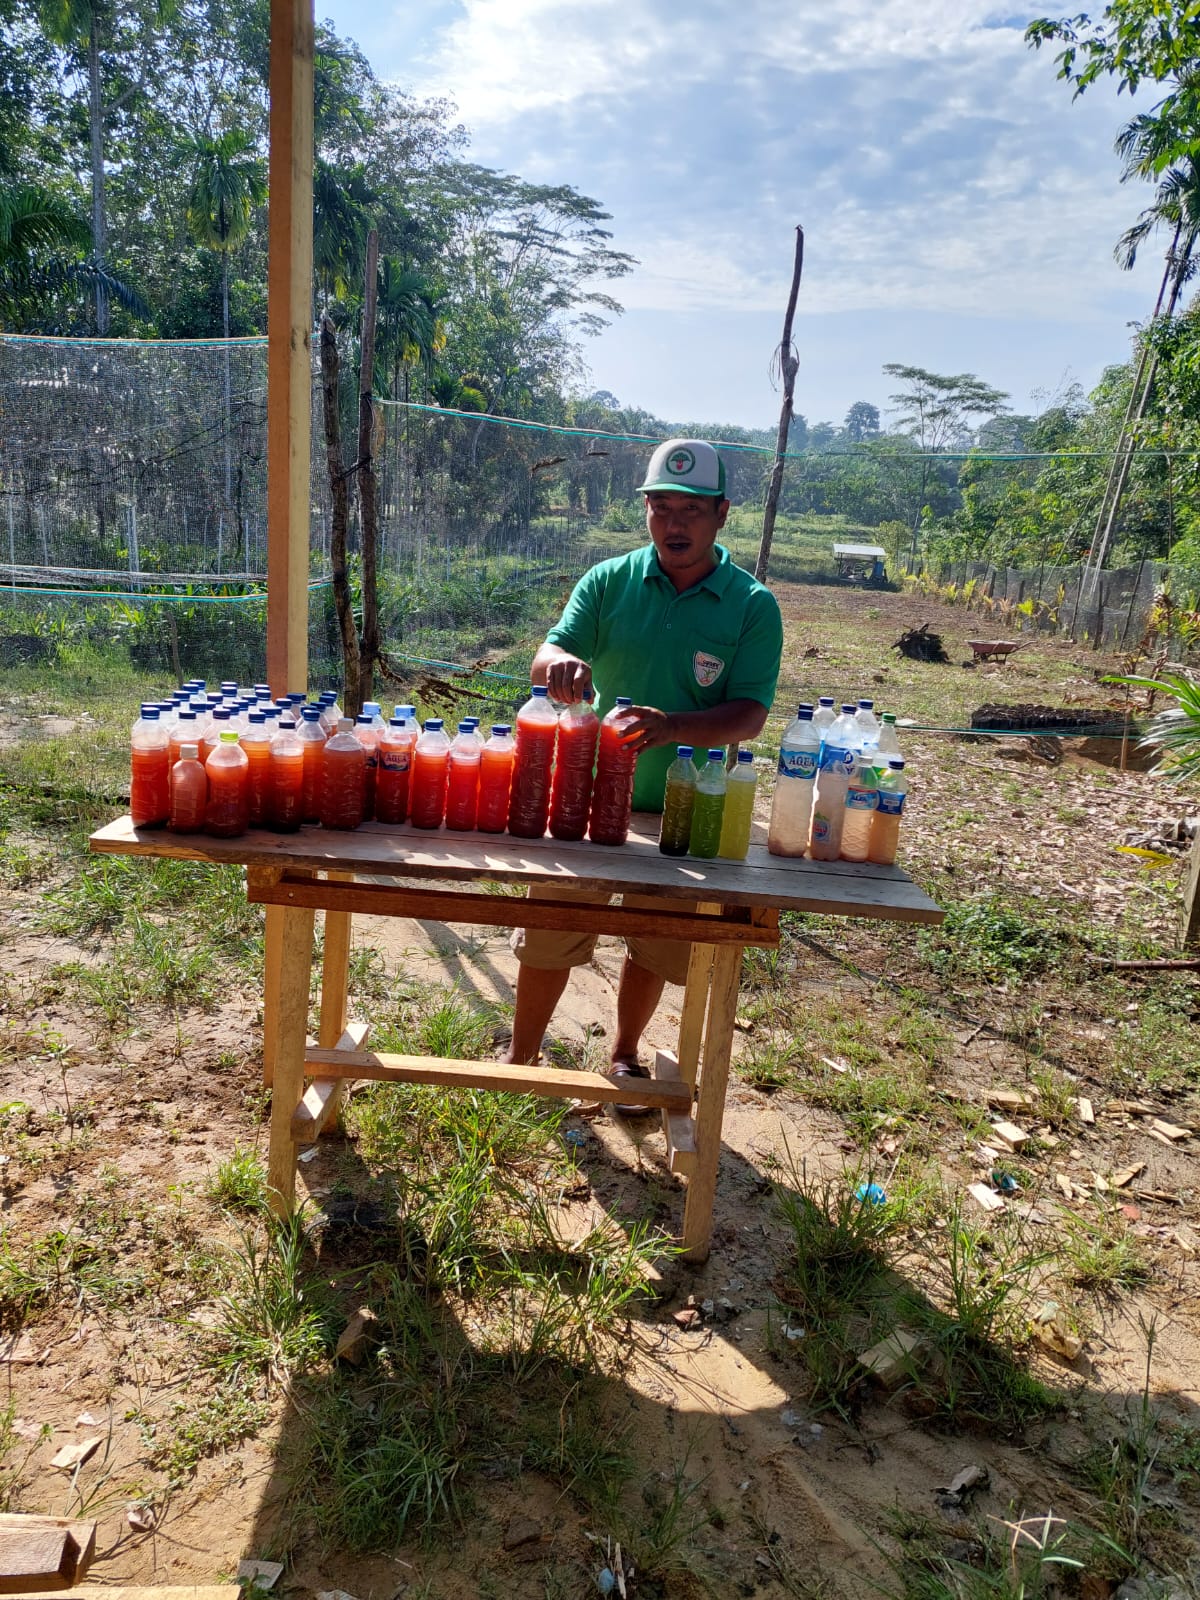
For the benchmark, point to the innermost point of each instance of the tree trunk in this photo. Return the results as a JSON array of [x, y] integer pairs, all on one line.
[[368, 489], [339, 496], [96, 129], [788, 365], [228, 387]]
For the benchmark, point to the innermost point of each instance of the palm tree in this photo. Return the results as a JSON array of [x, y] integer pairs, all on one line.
[[42, 238]]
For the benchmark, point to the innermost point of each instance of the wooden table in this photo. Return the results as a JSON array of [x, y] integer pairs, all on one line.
[[720, 906]]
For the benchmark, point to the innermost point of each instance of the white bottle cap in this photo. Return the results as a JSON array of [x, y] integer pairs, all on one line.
[[345, 725], [189, 752]]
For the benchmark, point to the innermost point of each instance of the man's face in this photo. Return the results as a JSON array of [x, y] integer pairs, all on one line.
[[684, 528]]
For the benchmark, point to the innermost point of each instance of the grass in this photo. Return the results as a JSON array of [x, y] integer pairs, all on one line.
[[1103, 1256], [992, 940], [239, 1183]]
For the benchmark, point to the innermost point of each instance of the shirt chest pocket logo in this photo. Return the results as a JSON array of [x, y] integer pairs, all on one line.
[[707, 668]]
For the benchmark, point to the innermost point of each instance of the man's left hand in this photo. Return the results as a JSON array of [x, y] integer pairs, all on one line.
[[645, 728]]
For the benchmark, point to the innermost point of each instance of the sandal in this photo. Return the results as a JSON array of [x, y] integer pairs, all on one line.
[[626, 1070]]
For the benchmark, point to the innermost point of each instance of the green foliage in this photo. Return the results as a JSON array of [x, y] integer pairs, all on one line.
[[993, 940]]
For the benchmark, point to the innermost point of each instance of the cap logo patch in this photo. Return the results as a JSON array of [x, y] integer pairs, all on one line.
[[680, 462], [707, 668]]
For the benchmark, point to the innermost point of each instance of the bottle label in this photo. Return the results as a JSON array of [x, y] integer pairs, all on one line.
[[837, 761], [820, 828], [798, 763], [891, 803], [394, 760], [862, 799]]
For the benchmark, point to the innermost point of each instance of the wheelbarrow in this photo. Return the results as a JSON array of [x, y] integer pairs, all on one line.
[[993, 649]]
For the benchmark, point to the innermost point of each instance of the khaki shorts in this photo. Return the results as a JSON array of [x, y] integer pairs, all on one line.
[[554, 950]]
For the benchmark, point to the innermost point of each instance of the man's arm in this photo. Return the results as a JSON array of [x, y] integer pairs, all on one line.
[[729, 723], [566, 677]]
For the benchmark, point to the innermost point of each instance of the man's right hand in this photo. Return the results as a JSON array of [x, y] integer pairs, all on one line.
[[568, 679]]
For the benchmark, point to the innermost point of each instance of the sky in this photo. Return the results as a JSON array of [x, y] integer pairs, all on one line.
[[959, 206]]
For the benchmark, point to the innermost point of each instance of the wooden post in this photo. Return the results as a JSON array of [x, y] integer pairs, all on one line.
[[710, 1106], [295, 969], [1190, 933], [289, 344], [789, 363], [335, 977]]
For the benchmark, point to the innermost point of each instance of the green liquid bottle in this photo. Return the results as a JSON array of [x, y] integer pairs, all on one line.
[[708, 811], [677, 806], [740, 788]]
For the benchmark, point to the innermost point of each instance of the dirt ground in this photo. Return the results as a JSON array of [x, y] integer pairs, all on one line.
[[795, 1500]]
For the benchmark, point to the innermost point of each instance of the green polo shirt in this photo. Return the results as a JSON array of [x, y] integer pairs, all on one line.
[[719, 640]]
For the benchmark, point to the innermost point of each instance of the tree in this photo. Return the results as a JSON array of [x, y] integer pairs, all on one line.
[[42, 240], [1131, 40], [862, 422]]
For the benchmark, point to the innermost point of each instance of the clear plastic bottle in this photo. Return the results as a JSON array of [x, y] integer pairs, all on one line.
[[368, 735], [868, 726], [149, 770], [741, 785], [286, 810], [256, 744], [431, 761], [495, 779], [791, 808], [184, 732], [331, 712], [574, 764], [885, 820], [612, 792], [839, 751], [824, 716], [462, 782], [343, 779], [537, 728], [394, 772], [312, 736], [862, 800], [221, 721], [226, 769], [889, 744], [678, 800], [189, 792], [708, 810]]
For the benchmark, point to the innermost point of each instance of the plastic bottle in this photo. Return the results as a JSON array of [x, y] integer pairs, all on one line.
[[227, 770], [189, 792], [262, 693], [741, 785], [462, 785], [220, 722], [256, 746], [184, 732], [868, 726], [431, 762], [824, 716], [574, 764], [472, 725], [612, 792], [286, 808], [495, 779], [885, 820], [529, 805], [312, 736], [889, 744], [394, 772], [368, 735], [229, 689], [343, 779], [838, 754], [168, 710], [149, 770], [791, 809], [677, 805], [862, 800], [708, 811]]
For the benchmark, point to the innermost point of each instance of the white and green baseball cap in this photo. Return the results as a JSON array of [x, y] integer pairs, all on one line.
[[685, 466]]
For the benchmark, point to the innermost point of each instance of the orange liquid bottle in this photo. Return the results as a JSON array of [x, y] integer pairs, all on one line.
[[574, 760], [368, 736], [495, 780], [462, 788], [431, 760], [256, 743], [286, 809], [149, 768], [184, 732], [219, 722], [227, 770], [612, 794], [189, 792], [394, 772], [537, 729], [343, 779], [312, 736]]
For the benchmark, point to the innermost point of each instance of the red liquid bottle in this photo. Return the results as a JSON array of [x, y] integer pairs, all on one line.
[[529, 804], [256, 745], [312, 736], [495, 779], [149, 769], [431, 760], [462, 788], [394, 772], [286, 807], [343, 779], [574, 762], [227, 771], [189, 792], [612, 794], [367, 735]]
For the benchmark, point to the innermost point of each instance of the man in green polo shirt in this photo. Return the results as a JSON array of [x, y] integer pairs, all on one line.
[[695, 641]]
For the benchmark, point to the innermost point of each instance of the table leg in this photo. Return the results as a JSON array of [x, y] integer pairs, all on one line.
[[273, 949], [710, 1105], [335, 977], [695, 1005], [295, 970]]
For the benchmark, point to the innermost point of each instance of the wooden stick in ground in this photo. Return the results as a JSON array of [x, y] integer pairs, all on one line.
[[365, 477], [295, 968], [335, 981], [710, 1106], [789, 363]]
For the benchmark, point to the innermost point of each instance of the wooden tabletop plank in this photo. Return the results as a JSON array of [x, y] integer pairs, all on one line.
[[638, 867]]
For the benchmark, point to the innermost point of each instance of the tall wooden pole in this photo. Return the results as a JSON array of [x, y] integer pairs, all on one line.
[[289, 344], [789, 362]]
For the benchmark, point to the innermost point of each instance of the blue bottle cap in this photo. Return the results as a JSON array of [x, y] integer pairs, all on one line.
[[848, 711], [271, 712], [465, 727], [262, 688], [186, 714], [284, 702], [166, 705], [826, 700], [866, 705], [311, 713], [717, 753], [149, 705], [434, 724], [364, 719], [228, 683], [501, 729], [297, 698], [222, 713], [539, 691], [395, 722], [745, 757], [805, 714], [468, 722], [895, 763], [150, 713], [624, 700], [258, 718], [685, 751], [588, 695], [371, 707]]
